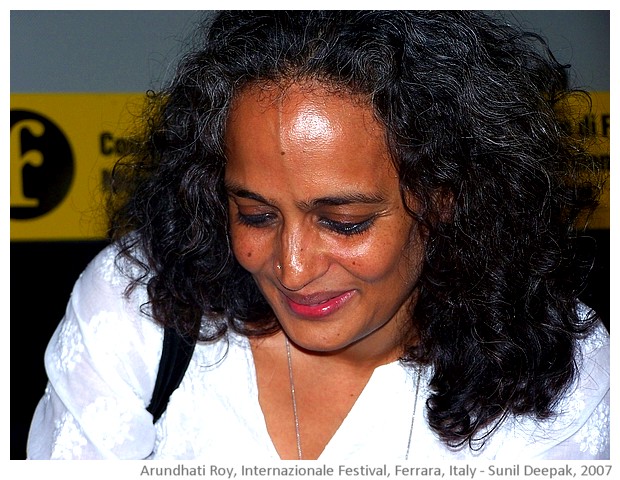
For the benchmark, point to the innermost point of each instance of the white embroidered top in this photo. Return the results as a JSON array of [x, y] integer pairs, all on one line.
[[102, 363]]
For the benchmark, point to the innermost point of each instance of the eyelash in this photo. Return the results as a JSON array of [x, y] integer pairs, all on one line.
[[347, 229], [256, 221]]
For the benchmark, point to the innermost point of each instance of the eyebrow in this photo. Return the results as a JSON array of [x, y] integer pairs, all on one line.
[[345, 198]]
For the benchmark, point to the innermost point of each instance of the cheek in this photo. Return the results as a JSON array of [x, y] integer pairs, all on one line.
[[248, 249], [396, 256], [372, 261]]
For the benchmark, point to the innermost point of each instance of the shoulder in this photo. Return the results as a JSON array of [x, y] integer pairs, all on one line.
[[580, 426], [592, 359], [101, 362], [586, 407], [579, 429], [106, 327]]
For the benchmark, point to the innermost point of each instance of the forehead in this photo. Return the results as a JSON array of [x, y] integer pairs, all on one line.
[[304, 123], [306, 142]]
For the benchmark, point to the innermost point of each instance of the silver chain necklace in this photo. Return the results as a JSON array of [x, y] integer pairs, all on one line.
[[296, 416]]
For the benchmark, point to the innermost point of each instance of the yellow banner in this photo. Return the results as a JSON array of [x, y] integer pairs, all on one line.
[[63, 147], [594, 123]]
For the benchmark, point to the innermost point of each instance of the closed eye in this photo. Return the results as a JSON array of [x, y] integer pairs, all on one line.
[[347, 228], [255, 220]]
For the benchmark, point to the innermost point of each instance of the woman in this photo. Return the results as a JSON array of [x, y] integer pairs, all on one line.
[[364, 221]]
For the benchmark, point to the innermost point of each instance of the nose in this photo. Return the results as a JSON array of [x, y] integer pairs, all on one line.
[[299, 259]]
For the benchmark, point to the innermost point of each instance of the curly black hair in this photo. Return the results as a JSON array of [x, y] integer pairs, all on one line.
[[473, 108]]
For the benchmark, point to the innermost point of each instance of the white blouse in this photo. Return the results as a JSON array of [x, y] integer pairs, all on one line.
[[102, 363]]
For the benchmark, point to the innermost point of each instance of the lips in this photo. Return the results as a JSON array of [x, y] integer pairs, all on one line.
[[318, 305]]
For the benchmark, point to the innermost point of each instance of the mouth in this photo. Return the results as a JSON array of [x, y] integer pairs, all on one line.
[[317, 305]]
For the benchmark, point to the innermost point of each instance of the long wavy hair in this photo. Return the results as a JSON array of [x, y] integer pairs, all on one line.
[[472, 108]]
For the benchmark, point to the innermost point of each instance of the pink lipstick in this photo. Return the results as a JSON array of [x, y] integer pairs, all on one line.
[[318, 306]]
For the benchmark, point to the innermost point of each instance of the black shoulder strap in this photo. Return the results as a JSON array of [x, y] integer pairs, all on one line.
[[176, 353]]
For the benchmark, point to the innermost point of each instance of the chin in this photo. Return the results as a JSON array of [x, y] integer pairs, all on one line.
[[318, 338]]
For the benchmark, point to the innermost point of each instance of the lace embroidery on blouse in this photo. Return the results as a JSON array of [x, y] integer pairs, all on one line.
[[593, 437], [69, 439], [110, 419], [69, 348]]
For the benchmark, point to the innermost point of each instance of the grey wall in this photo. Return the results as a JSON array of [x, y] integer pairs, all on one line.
[[577, 37], [132, 51], [96, 51]]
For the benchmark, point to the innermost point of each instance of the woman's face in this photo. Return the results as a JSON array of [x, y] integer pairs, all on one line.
[[317, 218]]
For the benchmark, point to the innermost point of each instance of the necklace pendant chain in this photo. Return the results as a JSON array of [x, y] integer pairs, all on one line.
[[293, 399], [415, 405]]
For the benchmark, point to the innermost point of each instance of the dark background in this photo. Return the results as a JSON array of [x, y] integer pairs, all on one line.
[[132, 51]]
